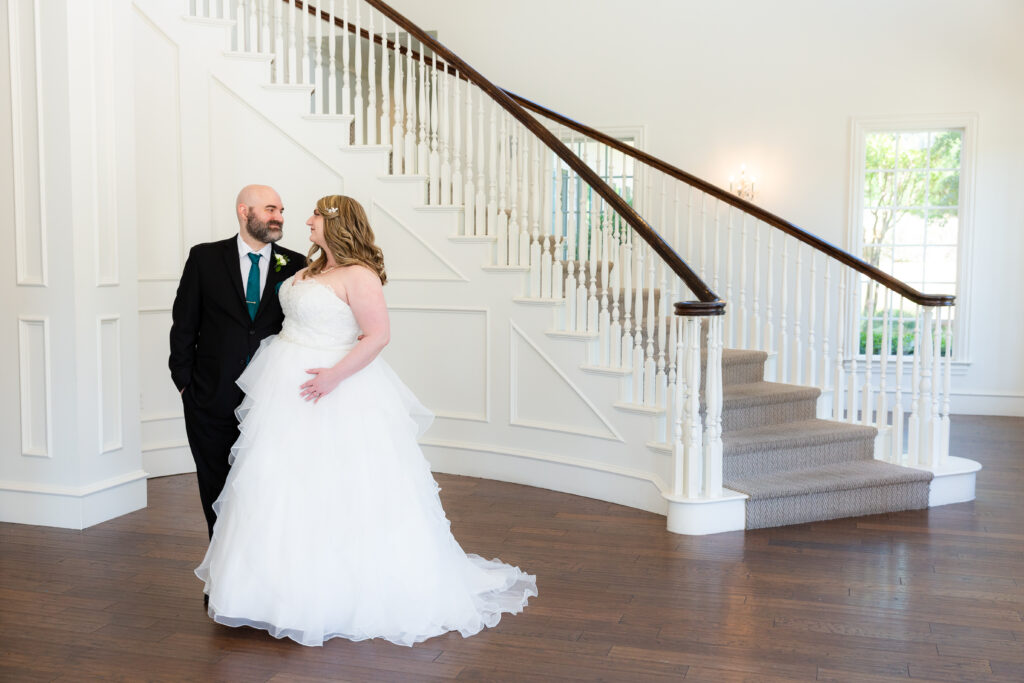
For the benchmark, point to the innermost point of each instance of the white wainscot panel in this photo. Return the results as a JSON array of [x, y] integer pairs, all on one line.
[[34, 368], [543, 397], [110, 396], [27, 150], [408, 256], [246, 148], [442, 354], [158, 178], [158, 396]]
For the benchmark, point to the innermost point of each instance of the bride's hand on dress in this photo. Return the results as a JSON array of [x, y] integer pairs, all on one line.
[[323, 383]]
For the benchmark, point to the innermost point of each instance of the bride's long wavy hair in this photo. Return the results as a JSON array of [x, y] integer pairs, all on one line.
[[348, 235]]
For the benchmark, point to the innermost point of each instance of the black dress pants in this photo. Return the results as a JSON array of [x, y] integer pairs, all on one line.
[[210, 437]]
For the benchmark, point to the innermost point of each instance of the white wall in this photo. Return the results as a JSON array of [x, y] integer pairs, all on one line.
[[775, 85], [68, 366]]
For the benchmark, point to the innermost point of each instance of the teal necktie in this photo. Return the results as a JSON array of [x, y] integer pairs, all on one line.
[[252, 287]]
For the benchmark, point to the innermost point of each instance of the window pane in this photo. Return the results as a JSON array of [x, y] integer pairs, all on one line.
[[911, 187], [943, 226], [879, 188], [940, 264], [912, 150], [910, 228], [944, 188], [908, 265], [945, 149], [880, 150]]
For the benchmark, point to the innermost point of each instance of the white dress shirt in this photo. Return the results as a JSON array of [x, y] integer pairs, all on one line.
[[245, 264]]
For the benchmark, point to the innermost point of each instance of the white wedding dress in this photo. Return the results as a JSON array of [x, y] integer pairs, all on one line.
[[330, 524]]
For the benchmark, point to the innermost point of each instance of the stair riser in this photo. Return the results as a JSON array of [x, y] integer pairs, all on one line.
[[772, 413], [737, 373], [802, 457], [771, 512]]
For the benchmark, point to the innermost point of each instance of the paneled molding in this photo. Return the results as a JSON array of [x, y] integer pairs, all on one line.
[[453, 274], [106, 226], [35, 385], [516, 378], [485, 414], [110, 397], [32, 269]]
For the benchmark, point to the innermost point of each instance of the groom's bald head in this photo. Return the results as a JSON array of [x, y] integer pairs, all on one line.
[[260, 213]]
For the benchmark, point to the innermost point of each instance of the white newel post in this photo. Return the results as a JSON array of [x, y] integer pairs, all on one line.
[[71, 456]]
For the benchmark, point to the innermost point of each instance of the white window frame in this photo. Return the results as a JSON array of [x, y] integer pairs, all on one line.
[[968, 122]]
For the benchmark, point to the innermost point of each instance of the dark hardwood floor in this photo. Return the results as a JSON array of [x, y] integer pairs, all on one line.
[[935, 594]]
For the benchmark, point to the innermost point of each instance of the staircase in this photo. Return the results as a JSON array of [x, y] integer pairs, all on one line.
[[658, 413]]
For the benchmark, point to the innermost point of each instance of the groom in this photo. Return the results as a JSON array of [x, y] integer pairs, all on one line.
[[225, 306]]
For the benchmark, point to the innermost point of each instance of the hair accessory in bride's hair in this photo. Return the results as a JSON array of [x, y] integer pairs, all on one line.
[[331, 209]]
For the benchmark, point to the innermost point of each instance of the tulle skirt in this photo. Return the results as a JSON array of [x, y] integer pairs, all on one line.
[[330, 524]]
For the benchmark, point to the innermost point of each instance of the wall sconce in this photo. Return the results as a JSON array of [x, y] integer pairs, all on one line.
[[744, 187]]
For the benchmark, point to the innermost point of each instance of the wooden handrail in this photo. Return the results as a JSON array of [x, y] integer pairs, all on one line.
[[587, 174], [827, 248], [782, 224]]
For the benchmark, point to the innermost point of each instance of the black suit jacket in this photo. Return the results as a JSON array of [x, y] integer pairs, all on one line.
[[212, 337]]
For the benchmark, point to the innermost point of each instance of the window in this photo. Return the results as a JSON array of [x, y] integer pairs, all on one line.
[[909, 222]]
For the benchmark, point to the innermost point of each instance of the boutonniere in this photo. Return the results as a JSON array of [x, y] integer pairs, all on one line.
[[280, 261]]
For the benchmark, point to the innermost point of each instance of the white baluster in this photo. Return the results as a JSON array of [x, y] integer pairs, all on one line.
[[480, 203], [409, 148], [704, 259], [626, 259], [371, 83], [240, 24], [769, 295], [547, 255], [826, 322], [756, 337], [853, 337], [731, 323], [650, 366], [784, 350], [252, 25], [398, 160], [899, 456], [278, 42], [318, 67], [332, 69], [385, 83], [671, 394], [292, 40], [677, 416], [869, 353], [914, 454], [841, 335], [502, 214], [661, 380], [423, 109], [536, 277], [943, 451], [469, 189], [638, 348], [306, 64], [935, 419], [524, 196], [265, 43], [713, 418], [810, 373], [593, 241], [615, 330], [446, 165], [358, 107], [457, 188], [513, 195], [604, 317], [493, 144], [882, 406], [798, 341], [717, 262], [693, 446], [434, 161], [744, 316]]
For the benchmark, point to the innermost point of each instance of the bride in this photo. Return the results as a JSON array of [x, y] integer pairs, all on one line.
[[330, 524]]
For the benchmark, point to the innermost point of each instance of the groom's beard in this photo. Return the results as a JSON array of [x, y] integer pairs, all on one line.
[[270, 231]]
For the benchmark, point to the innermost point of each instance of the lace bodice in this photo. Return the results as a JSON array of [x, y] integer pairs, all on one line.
[[315, 316]]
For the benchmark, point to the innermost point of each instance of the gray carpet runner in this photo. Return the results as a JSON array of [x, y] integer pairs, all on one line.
[[795, 467]]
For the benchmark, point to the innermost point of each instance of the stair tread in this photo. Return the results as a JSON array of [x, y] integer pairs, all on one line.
[[765, 393], [844, 476], [740, 356], [792, 435]]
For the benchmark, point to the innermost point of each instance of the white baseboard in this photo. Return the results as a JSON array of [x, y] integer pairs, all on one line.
[[699, 517], [167, 460], [72, 507], [953, 482]]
